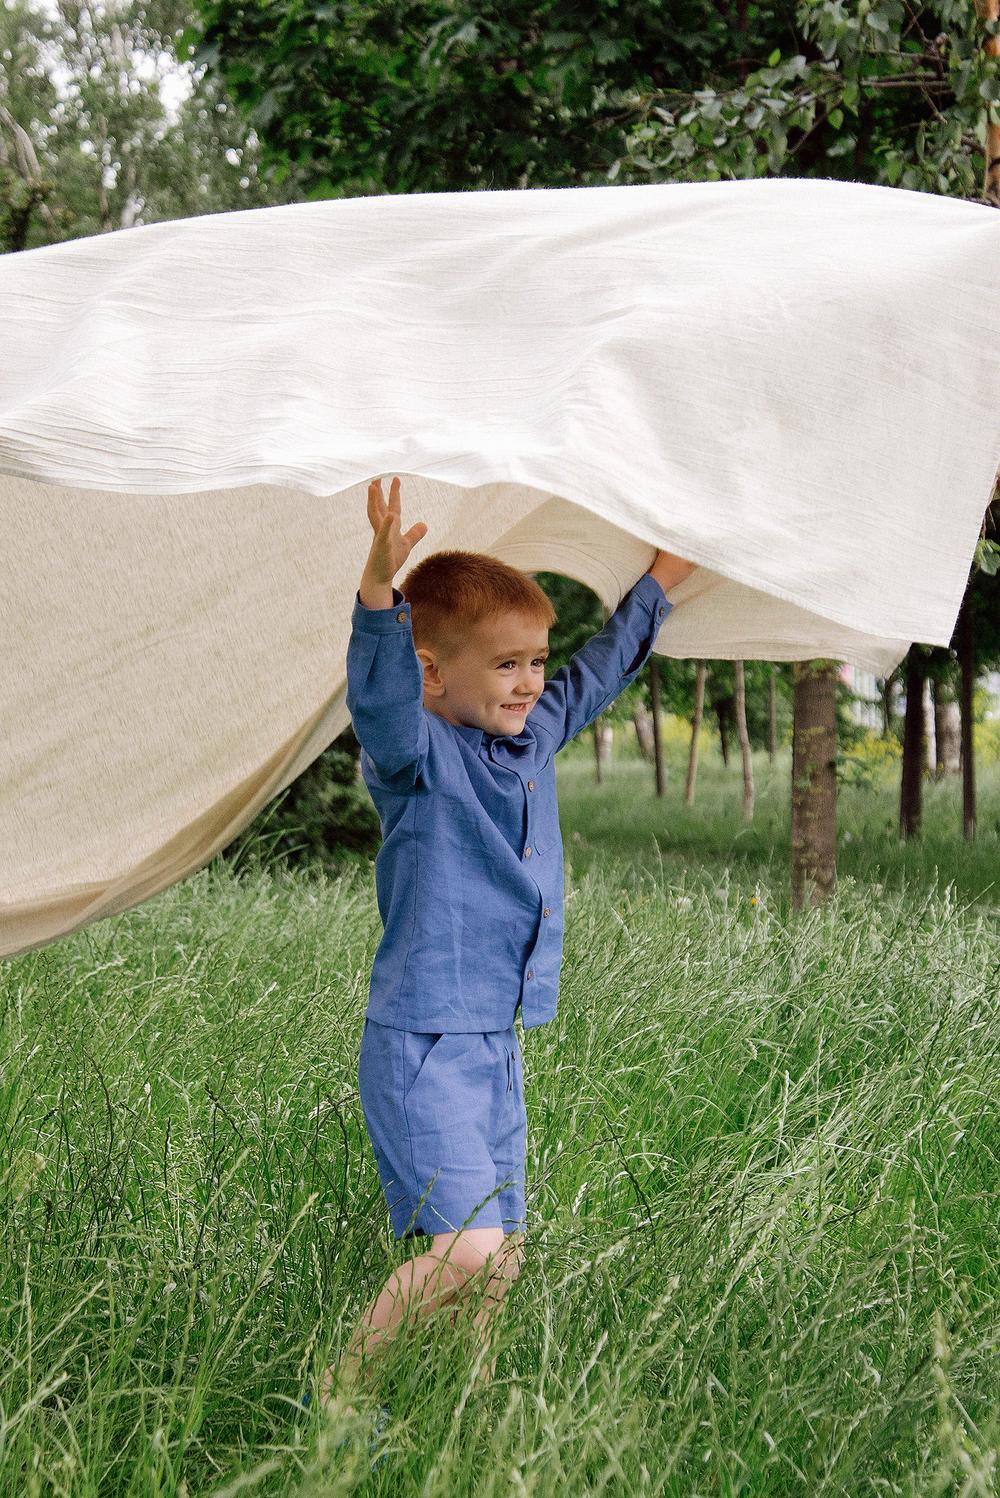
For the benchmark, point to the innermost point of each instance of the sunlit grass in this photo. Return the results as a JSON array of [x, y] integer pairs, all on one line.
[[763, 1200]]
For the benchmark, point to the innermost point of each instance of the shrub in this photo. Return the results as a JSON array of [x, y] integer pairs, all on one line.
[[868, 759], [986, 739]]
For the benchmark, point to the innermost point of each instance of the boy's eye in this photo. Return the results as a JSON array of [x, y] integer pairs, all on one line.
[[538, 661]]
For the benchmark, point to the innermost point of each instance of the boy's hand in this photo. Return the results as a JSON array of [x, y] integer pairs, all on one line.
[[390, 547], [670, 570]]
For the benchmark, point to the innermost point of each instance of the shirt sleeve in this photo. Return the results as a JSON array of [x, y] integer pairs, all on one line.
[[604, 666], [385, 691]]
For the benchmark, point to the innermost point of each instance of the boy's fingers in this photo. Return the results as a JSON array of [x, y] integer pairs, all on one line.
[[378, 510], [376, 504]]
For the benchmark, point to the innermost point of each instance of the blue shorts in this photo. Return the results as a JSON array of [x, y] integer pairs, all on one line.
[[445, 1115]]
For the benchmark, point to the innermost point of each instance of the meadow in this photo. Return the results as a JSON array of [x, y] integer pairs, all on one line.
[[762, 1252]]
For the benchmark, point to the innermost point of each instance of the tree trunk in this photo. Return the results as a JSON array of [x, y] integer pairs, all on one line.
[[699, 704], [930, 734], [912, 778], [967, 664], [741, 729], [654, 697], [772, 715], [723, 707], [947, 728], [989, 10], [604, 741], [643, 720], [886, 687], [814, 782]]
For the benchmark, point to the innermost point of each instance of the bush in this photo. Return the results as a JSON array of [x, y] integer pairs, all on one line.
[[986, 739], [325, 813], [868, 759]]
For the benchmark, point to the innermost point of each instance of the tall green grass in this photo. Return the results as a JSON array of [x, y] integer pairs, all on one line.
[[762, 1252], [623, 815]]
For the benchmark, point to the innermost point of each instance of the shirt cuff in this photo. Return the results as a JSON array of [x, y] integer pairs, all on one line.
[[392, 620], [652, 595]]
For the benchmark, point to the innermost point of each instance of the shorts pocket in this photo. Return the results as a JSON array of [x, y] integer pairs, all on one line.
[[417, 1047]]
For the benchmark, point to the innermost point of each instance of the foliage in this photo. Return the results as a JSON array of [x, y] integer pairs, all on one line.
[[988, 557], [325, 814], [988, 741], [100, 153], [984, 595], [864, 762], [675, 739], [437, 96]]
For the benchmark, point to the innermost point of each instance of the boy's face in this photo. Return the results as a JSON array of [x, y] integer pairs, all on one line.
[[502, 662]]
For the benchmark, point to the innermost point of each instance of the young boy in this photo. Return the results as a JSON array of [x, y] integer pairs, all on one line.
[[458, 731]]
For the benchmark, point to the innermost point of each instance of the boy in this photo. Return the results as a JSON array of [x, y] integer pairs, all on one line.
[[458, 730]]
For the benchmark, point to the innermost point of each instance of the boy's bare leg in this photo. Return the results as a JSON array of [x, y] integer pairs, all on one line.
[[487, 1318], [430, 1280]]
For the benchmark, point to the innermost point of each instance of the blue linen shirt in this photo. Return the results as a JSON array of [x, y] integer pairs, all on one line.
[[469, 877]]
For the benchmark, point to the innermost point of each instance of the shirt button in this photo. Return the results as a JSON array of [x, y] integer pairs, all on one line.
[[545, 911], [531, 785], [528, 974], [659, 612], [527, 852], [401, 617]]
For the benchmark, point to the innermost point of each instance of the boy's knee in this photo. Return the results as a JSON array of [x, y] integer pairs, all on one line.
[[505, 1265], [470, 1251]]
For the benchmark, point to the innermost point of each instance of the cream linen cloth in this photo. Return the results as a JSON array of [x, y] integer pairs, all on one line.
[[793, 382]]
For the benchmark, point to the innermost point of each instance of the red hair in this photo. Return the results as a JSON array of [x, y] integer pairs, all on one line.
[[451, 591]]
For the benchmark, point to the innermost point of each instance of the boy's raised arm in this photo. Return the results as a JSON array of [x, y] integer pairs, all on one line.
[[610, 660], [385, 680], [604, 666], [385, 689]]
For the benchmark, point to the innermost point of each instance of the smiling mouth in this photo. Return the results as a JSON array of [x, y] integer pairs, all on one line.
[[521, 707]]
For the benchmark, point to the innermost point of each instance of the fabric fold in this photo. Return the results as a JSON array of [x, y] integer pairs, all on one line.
[[793, 382]]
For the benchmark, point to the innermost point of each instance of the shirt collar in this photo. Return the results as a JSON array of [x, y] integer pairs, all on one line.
[[473, 736]]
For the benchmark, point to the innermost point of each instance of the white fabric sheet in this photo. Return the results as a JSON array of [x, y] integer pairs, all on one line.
[[795, 383]]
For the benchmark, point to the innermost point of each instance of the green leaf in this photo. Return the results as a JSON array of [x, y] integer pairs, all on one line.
[[609, 49], [987, 557], [836, 118], [774, 58]]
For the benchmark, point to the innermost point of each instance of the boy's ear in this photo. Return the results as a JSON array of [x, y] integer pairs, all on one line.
[[432, 677]]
